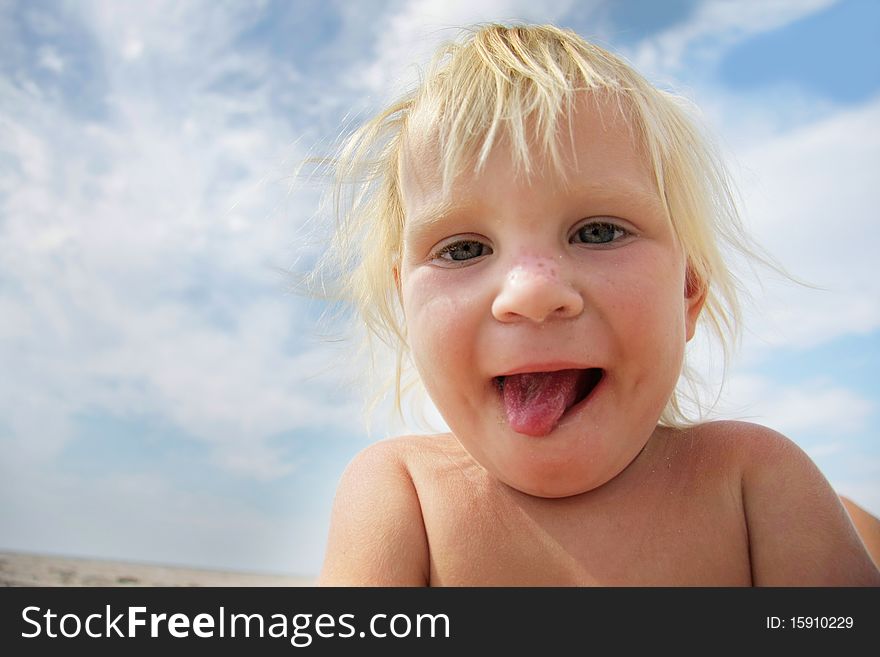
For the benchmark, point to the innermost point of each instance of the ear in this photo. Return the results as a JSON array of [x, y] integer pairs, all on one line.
[[398, 284], [695, 293]]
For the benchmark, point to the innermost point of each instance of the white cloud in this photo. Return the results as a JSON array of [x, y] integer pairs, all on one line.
[[816, 408], [810, 199], [51, 60], [410, 34], [135, 254], [714, 27], [180, 31], [133, 48]]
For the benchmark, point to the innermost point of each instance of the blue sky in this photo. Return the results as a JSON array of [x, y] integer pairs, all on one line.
[[163, 398]]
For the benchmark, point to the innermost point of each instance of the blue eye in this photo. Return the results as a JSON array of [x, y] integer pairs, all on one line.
[[598, 232], [463, 250]]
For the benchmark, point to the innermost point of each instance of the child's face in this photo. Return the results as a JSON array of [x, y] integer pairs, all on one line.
[[580, 282]]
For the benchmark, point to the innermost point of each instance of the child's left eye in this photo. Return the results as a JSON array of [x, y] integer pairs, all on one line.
[[598, 232]]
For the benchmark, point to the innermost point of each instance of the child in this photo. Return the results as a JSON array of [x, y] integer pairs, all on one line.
[[538, 230]]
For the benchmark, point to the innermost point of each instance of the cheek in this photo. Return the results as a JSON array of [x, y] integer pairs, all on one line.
[[439, 320], [428, 320], [650, 310]]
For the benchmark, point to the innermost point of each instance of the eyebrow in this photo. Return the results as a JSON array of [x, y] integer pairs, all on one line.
[[421, 223], [616, 189], [434, 213], [613, 190]]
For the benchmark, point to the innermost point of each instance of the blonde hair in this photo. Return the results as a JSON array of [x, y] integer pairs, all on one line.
[[520, 82]]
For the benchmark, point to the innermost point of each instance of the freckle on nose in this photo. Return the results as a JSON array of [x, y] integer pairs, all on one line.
[[537, 263]]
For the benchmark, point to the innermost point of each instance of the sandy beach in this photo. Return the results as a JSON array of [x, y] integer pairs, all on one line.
[[20, 569]]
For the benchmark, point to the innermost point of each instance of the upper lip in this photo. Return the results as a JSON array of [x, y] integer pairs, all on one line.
[[553, 366]]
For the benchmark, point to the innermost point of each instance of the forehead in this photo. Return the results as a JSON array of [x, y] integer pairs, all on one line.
[[419, 163], [598, 152]]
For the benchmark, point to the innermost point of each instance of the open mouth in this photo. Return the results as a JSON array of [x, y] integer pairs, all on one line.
[[534, 402]]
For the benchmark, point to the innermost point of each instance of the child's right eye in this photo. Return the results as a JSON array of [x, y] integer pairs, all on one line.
[[462, 250]]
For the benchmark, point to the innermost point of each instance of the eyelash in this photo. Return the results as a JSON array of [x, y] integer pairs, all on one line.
[[446, 250], [449, 248], [617, 232]]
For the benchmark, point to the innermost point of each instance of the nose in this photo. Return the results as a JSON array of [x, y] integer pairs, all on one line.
[[533, 289]]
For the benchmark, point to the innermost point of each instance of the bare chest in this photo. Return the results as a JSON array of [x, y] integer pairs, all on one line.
[[665, 535]]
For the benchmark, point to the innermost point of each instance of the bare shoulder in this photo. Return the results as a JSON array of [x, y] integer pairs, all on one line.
[[737, 442], [388, 456], [723, 449], [747, 450], [377, 535], [867, 525], [799, 532], [405, 458]]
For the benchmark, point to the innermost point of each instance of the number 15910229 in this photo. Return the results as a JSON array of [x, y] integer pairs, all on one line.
[[809, 623]]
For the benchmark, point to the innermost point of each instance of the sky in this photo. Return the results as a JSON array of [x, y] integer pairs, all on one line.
[[165, 398]]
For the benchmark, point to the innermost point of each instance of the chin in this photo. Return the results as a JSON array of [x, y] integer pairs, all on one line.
[[551, 485]]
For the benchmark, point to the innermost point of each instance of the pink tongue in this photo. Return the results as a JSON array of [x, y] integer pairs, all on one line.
[[534, 402]]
